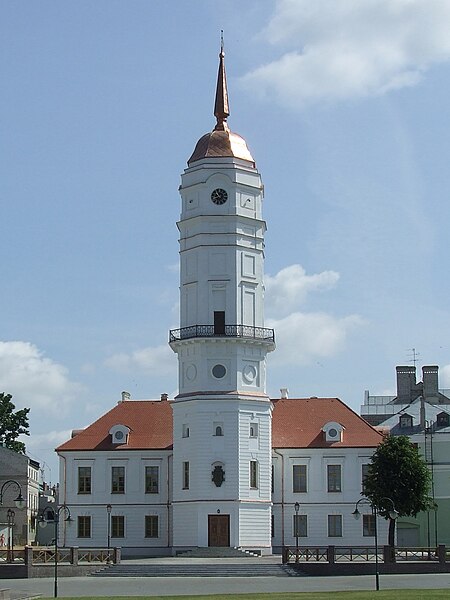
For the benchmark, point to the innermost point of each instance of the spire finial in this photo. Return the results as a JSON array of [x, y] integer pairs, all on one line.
[[221, 108]]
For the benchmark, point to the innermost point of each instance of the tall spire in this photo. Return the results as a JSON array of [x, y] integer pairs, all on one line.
[[221, 108]]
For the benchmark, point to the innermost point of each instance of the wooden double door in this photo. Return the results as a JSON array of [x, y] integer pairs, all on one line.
[[218, 530]]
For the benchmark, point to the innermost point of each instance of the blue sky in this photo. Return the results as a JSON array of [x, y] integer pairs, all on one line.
[[345, 109]]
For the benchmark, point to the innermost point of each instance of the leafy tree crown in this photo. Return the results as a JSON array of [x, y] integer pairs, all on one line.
[[12, 424], [397, 471]]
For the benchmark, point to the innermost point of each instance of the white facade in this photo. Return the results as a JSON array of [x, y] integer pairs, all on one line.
[[214, 469], [326, 501], [129, 507]]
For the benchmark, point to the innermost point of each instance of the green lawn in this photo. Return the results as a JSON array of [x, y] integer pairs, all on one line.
[[369, 595]]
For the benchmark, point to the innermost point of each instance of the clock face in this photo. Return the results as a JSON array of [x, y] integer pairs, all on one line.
[[219, 196]]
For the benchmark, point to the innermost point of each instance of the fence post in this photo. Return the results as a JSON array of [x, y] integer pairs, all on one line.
[[284, 555], [28, 559], [441, 553], [388, 554], [117, 555], [74, 555], [28, 555], [331, 554]]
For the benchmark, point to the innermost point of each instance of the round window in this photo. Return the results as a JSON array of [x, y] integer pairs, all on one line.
[[119, 435], [219, 371], [332, 432]]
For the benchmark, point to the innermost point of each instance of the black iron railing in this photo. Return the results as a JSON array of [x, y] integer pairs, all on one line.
[[239, 331]]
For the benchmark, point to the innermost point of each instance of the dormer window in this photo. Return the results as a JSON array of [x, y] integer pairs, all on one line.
[[443, 419], [405, 421], [333, 432], [119, 434]]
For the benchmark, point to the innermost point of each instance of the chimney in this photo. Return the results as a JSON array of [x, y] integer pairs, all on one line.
[[284, 393], [406, 380], [164, 397], [125, 396], [430, 383]]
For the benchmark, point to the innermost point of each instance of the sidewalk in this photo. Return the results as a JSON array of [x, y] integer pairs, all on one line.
[[138, 586]]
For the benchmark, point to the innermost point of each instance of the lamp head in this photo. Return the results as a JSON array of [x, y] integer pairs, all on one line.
[[356, 513], [297, 507], [20, 501]]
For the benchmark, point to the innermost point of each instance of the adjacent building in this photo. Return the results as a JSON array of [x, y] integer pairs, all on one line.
[[26, 472], [421, 411]]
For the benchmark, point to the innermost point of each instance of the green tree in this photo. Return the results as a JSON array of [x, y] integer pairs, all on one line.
[[12, 424], [398, 472]]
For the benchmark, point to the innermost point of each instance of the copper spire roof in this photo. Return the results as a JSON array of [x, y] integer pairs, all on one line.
[[221, 142], [221, 108]]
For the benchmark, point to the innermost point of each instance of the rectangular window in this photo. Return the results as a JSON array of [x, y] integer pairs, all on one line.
[[253, 430], [84, 480], [185, 431], [253, 474], [369, 525], [364, 473], [334, 478], [117, 526], [118, 480], [84, 527], [151, 480], [219, 322], [299, 478], [185, 475], [300, 525], [334, 525], [273, 526], [151, 526]]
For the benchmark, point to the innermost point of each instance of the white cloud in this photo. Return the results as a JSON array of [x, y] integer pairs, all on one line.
[[304, 337], [290, 286], [159, 360], [351, 48], [33, 380]]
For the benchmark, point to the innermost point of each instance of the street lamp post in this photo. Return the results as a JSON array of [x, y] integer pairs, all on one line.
[[393, 513], [10, 514], [108, 510], [19, 501], [297, 508], [63, 509]]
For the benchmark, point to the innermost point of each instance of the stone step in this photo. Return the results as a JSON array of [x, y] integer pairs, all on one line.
[[218, 552], [197, 570]]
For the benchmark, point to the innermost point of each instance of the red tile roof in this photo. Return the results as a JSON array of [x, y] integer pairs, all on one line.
[[150, 424], [297, 423]]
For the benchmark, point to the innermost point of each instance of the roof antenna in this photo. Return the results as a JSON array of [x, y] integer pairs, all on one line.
[[415, 356], [221, 42]]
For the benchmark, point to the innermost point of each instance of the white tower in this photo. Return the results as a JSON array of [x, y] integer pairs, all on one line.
[[222, 415]]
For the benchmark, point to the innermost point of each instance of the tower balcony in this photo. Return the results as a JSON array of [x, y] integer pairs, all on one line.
[[227, 331]]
